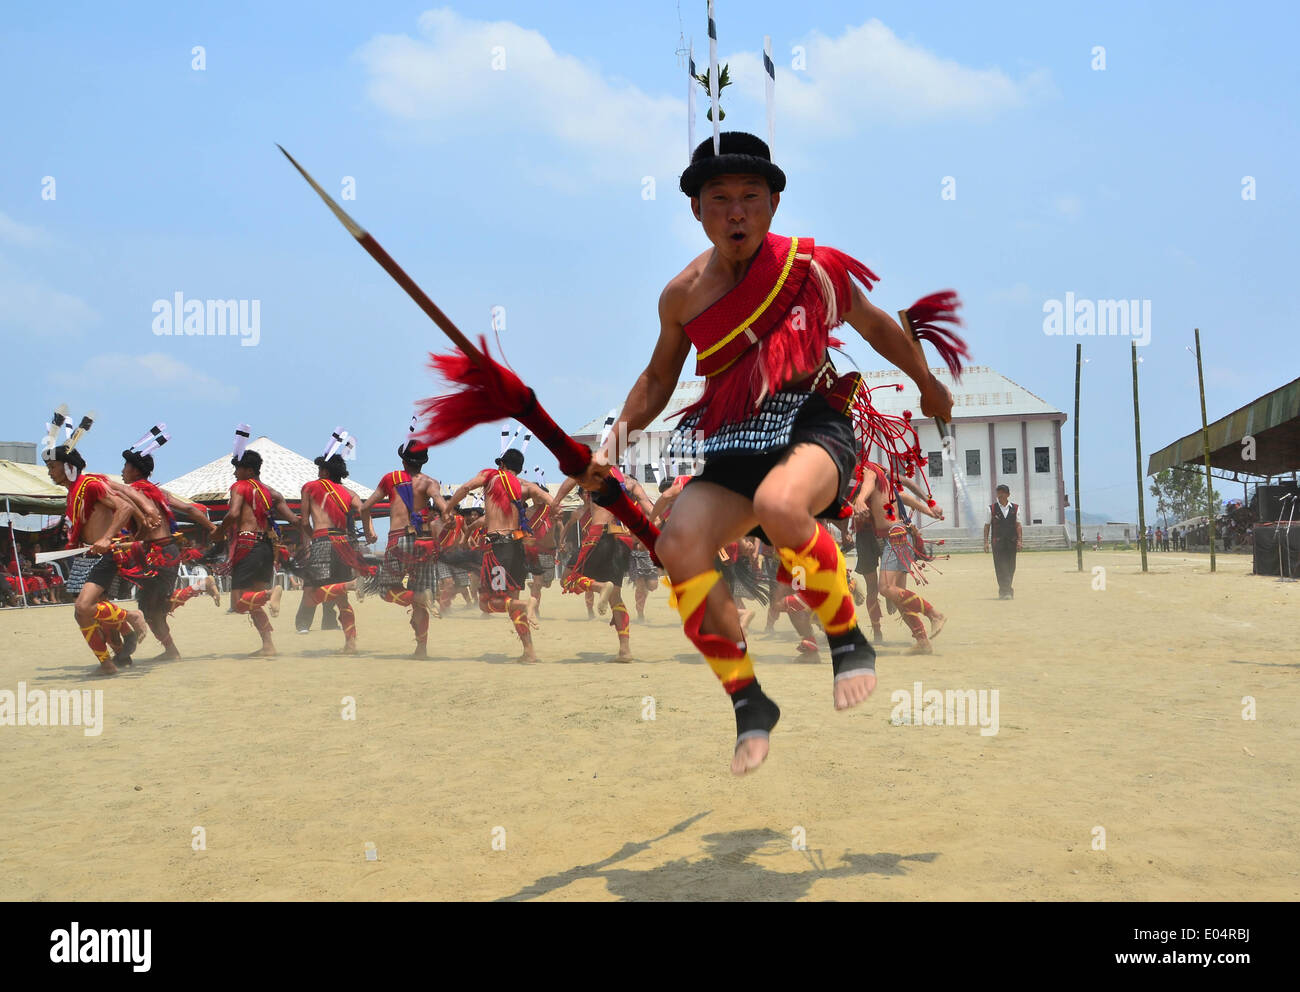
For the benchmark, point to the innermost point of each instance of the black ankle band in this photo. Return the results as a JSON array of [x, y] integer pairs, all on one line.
[[851, 654], [756, 715]]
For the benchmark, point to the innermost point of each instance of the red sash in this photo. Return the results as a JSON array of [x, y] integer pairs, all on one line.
[[254, 494], [159, 497], [335, 507], [88, 490], [392, 480], [504, 490], [772, 327]]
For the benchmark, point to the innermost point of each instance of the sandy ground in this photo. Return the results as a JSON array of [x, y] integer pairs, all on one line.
[[1119, 709]]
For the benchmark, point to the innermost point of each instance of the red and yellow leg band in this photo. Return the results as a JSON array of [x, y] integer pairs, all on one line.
[[816, 571], [729, 660]]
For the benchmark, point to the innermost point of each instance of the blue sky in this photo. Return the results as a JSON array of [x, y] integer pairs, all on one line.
[[523, 188]]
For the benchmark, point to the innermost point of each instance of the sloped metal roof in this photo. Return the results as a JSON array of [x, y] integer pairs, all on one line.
[[1273, 421]]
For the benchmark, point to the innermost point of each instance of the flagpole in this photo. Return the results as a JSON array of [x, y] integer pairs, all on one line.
[[714, 81], [690, 104], [769, 70]]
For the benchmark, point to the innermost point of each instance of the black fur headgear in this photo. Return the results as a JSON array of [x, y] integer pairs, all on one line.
[[410, 452], [250, 460], [142, 463], [740, 153], [334, 465], [512, 460], [73, 458]]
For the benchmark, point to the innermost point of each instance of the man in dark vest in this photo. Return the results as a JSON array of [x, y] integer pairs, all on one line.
[[1007, 540]]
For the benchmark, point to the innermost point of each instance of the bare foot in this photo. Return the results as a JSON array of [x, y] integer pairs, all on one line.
[[937, 620], [274, 604], [210, 587], [265, 651], [529, 657], [534, 620], [877, 636], [624, 655], [106, 667], [921, 647], [750, 753], [136, 619], [853, 690], [421, 651], [606, 596], [746, 618], [349, 647], [171, 654], [808, 648]]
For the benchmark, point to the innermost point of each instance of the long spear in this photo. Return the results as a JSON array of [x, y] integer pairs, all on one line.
[[493, 392]]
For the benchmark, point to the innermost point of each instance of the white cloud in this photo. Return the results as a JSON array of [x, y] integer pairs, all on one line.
[[446, 74], [621, 133], [20, 234], [154, 371], [33, 307], [869, 73]]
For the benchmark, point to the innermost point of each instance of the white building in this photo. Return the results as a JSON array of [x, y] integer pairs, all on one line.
[[1002, 433]]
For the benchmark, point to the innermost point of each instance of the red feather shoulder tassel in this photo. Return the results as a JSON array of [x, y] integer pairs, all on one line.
[[927, 317]]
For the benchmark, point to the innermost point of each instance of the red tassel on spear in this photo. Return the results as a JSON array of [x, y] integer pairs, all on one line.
[[924, 321], [490, 391]]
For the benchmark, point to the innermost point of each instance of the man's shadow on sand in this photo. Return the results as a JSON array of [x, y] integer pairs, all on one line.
[[728, 872]]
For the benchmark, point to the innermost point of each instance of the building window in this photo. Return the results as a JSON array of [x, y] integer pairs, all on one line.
[[648, 473], [934, 464], [1008, 461], [973, 462], [1042, 460]]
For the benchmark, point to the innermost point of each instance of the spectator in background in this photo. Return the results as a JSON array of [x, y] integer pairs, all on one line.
[[1007, 538]]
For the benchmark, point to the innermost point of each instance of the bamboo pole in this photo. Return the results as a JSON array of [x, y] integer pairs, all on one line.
[[13, 546], [1078, 510], [1137, 444], [1205, 440]]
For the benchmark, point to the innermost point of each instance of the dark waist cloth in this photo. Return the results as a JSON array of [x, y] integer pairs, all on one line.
[[816, 423]]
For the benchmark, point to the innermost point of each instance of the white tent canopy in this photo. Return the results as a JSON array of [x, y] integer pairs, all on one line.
[[283, 470]]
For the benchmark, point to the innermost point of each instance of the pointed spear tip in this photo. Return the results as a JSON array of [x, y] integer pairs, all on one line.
[[355, 229]]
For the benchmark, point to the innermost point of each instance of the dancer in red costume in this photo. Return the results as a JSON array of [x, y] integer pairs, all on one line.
[[97, 512], [249, 524], [539, 549], [328, 508], [603, 560], [898, 556], [504, 570], [775, 420], [158, 550], [412, 549]]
